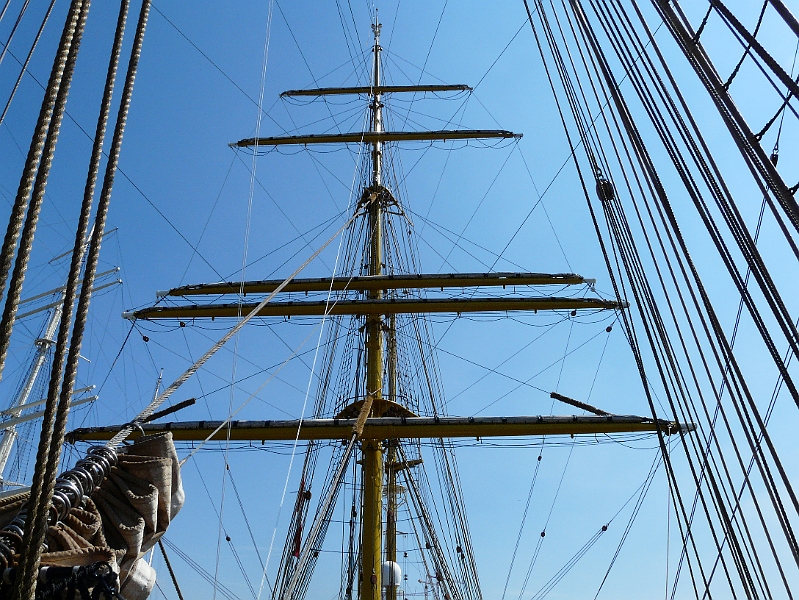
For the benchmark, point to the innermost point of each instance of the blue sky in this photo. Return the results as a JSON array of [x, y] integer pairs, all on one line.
[[183, 207]]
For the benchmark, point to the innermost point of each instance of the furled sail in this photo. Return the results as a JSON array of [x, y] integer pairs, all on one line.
[[113, 528]]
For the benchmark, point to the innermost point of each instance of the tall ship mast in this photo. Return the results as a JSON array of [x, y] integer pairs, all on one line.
[[329, 394], [379, 420]]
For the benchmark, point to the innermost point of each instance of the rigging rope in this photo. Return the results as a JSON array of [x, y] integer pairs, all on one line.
[[746, 53], [443, 572], [729, 17], [289, 573], [776, 459], [323, 517], [21, 14], [36, 526], [751, 152], [707, 469], [620, 293], [169, 568], [521, 525], [39, 141], [212, 580], [250, 196], [226, 592], [427, 56], [644, 489], [24, 67], [153, 406], [747, 534], [25, 582]]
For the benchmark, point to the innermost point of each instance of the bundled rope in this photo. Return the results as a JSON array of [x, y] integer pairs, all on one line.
[[70, 490]]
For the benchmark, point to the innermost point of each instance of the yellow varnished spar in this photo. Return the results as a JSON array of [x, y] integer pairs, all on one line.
[[390, 281], [386, 428], [375, 306]]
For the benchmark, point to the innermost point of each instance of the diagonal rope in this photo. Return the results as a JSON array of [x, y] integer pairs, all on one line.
[[248, 222], [24, 68], [155, 404]]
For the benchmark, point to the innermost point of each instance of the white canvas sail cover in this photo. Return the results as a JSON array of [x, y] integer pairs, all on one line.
[[123, 519]]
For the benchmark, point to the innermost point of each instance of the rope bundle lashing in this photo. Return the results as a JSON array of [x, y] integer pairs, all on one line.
[[71, 489]]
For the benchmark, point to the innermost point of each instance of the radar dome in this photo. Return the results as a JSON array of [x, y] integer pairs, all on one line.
[[391, 574]]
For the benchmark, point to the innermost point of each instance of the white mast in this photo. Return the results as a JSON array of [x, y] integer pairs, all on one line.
[[43, 345]]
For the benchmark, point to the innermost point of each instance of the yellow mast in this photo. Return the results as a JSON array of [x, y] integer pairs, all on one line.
[[380, 418], [372, 525]]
